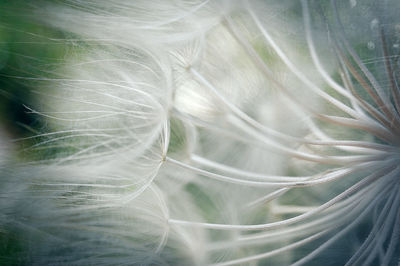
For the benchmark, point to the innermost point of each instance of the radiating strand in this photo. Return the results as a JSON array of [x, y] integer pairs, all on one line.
[[273, 252], [340, 160], [386, 173], [164, 208], [365, 248], [253, 55], [107, 114], [240, 113], [348, 84], [298, 73], [274, 195], [387, 105], [325, 222], [344, 231], [393, 87], [310, 181], [375, 129], [346, 62], [384, 230], [340, 210], [394, 240], [333, 84], [387, 118], [109, 95], [83, 130], [235, 171], [273, 144], [368, 147], [261, 64]]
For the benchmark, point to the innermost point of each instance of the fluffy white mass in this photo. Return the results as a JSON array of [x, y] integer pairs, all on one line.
[[213, 133]]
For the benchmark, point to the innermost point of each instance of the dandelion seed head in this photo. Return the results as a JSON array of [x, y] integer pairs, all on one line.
[[215, 133]]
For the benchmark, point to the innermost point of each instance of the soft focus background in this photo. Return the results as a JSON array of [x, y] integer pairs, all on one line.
[[25, 50]]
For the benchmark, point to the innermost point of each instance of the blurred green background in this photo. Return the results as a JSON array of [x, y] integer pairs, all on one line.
[[28, 51]]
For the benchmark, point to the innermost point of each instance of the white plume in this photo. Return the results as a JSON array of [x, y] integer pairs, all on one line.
[[213, 133]]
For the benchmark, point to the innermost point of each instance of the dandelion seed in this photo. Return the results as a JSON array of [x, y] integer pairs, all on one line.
[[215, 133]]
